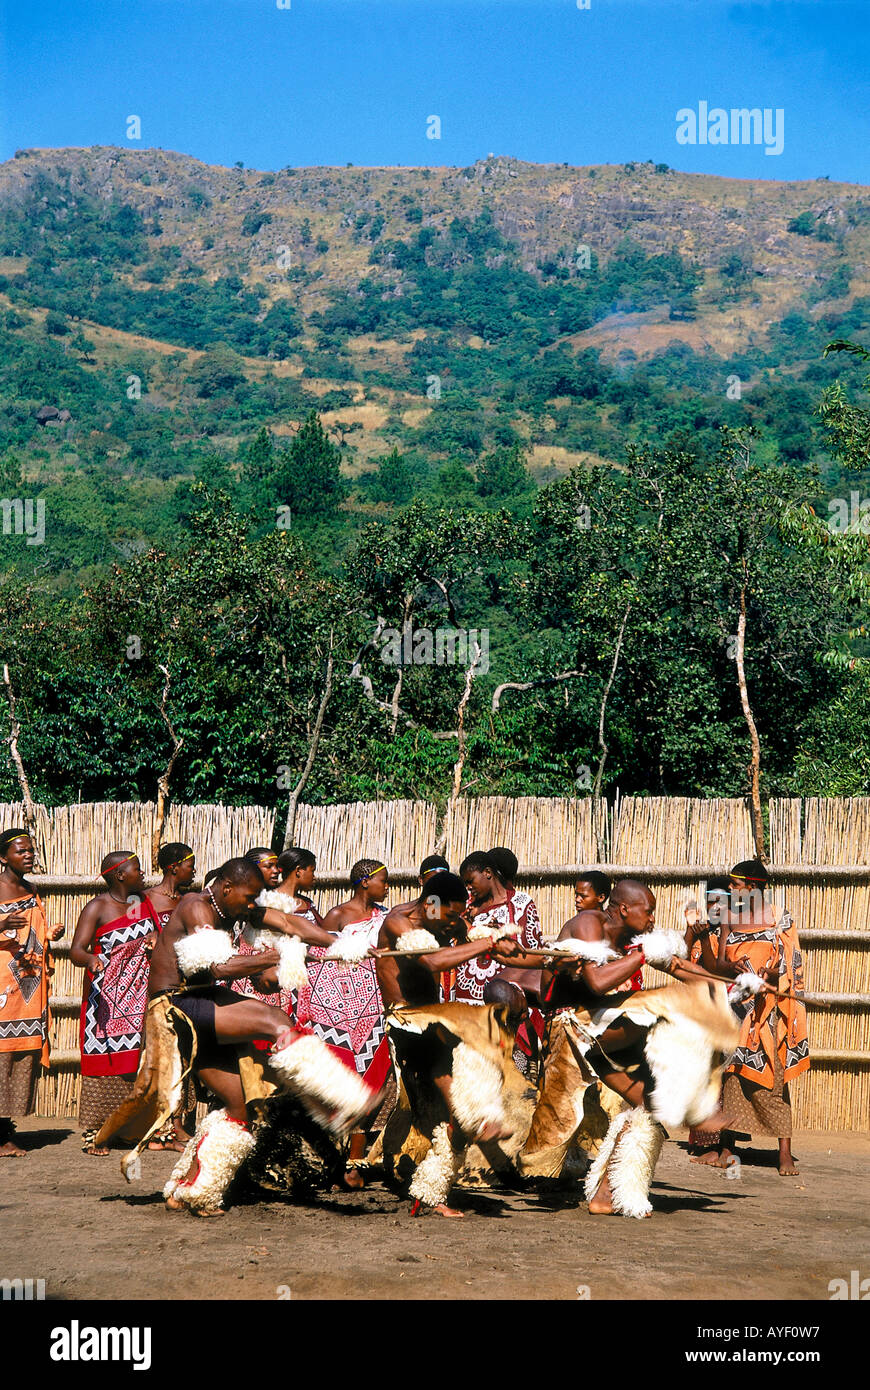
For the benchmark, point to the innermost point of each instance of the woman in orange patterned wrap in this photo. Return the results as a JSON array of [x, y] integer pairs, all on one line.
[[25, 974]]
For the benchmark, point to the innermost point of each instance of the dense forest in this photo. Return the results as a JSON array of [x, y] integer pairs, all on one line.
[[270, 491]]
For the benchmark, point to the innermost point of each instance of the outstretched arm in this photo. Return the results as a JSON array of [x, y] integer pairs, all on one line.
[[446, 959], [291, 925]]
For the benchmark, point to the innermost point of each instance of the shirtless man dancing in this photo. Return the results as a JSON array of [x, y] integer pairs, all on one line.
[[192, 965], [445, 1053]]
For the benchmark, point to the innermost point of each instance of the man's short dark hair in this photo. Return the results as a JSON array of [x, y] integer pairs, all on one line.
[[238, 871], [446, 887], [172, 854], [629, 890], [598, 882]]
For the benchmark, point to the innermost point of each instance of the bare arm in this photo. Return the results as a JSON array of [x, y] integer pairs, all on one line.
[[291, 925], [598, 979], [81, 949], [445, 959]]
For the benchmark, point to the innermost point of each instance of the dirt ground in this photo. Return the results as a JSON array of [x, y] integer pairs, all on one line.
[[73, 1221]]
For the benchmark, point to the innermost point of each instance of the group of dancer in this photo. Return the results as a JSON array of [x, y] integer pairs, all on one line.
[[438, 1040]]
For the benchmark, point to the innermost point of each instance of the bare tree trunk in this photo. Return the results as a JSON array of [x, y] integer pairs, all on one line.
[[462, 749], [313, 745], [596, 789], [754, 768], [12, 740], [407, 610], [163, 780]]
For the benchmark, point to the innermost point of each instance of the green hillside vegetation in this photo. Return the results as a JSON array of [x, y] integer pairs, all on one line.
[[581, 410]]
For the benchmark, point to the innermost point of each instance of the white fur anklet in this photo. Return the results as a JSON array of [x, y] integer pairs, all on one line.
[[436, 1174], [476, 1091], [595, 1175], [185, 1159], [223, 1146], [332, 1094], [630, 1164]]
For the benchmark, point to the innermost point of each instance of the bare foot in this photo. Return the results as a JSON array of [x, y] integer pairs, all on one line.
[[726, 1157], [11, 1150], [711, 1157], [442, 1209], [96, 1153], [177, 1145], [602, 1203], [353, 1179], [172, 1204], [787, 1166], [206, 1212]]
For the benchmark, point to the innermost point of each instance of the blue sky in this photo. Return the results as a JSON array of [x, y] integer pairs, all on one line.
[[353, 81]]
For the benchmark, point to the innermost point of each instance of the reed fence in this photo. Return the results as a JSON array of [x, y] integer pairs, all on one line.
[[820, 859]]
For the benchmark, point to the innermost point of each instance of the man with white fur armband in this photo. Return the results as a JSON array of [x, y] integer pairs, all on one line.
[[196, 1022], [661, 1050]]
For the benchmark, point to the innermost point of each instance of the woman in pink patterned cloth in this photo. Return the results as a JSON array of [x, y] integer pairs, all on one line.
[[342, 1005]]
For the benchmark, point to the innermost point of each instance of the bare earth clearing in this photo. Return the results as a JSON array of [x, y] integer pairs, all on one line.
[[72, 1221]]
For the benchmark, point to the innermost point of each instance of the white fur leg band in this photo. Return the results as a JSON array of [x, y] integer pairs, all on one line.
[[659, 947], [628, 1156], [435, 1176], [476, 1090], [185, 1159], [221, 1146], [332, 1094], [202, 949], [595, 1175]]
